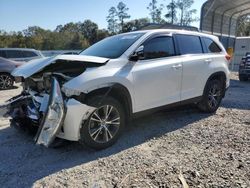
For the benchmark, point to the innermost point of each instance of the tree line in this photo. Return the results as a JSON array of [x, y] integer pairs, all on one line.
[[83, 34]]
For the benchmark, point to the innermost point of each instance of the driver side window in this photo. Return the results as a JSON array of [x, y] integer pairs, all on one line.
[[159, 47]]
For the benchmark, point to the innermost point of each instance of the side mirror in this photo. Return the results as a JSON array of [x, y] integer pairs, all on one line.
[[138, 54]]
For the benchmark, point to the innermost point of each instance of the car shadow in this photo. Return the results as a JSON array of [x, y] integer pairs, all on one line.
[[21, 158]]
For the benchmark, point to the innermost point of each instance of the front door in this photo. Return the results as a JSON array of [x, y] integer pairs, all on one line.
[[157, 76]]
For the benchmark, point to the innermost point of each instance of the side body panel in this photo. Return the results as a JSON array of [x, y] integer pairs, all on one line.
[[157, 82]]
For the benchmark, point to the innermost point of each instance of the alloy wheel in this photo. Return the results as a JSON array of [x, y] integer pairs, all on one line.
[[104, 124], [214, 96], [5, 81]]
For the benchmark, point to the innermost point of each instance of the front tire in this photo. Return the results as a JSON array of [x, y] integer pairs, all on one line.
[[212, 96], [6, 81], [105, 125]]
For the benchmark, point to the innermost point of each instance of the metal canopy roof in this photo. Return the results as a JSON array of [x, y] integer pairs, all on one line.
[[220, 17]]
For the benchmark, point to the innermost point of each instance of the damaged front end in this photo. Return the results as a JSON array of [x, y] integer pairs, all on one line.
[[44, 109], [41, 113]]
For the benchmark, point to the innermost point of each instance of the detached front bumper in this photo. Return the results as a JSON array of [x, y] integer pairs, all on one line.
[[52, 115]]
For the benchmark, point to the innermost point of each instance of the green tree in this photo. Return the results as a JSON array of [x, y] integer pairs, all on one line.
[[89, 30], [171, 15], [69, 27], [243, 26], [101, 34], [135, 24], [155, 11], [122, 14], [112, 20], [186, 16]]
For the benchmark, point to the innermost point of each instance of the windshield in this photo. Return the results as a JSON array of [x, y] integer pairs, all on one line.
[[112, 47]]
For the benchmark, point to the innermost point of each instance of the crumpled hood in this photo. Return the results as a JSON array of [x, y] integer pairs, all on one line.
[[37, 65]]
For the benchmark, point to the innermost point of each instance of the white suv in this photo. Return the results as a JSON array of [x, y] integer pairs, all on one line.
[[90, 97]]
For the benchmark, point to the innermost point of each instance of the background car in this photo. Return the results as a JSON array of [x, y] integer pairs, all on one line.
[[20, 54], [70, 53], [244, 68], [6, 67]]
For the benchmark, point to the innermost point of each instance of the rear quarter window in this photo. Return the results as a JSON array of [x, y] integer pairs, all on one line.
[[189, 44], [211, 46]]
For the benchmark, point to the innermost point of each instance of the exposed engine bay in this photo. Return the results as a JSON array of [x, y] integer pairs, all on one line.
[[44, 108]]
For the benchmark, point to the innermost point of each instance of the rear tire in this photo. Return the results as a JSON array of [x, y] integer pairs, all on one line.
[[212, 96], [105, 125], [243, 78], [6, 81]]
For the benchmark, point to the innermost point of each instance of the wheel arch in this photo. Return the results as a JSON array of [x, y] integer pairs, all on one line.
[[118, 91], [220, 75]]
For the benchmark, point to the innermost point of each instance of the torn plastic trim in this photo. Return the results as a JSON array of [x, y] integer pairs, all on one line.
[[11, 103], [53, 118]]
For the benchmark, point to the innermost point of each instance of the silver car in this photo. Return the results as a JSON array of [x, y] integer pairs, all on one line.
[[6, 67], [20, 54]]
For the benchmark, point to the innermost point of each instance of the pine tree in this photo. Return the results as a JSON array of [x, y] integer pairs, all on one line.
[[155, 11], [122, 10], [112, 20]]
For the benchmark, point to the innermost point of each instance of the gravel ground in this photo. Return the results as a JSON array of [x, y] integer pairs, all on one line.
[[155, 151]]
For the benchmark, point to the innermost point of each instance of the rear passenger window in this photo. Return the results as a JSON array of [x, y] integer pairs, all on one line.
[[14, 54], [2, 54], [211, 46], [29, 54], [159, 47], [189, 44]]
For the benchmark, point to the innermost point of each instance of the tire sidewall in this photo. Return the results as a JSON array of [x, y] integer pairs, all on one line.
[[204, 104], [243, 78], [206, 95]]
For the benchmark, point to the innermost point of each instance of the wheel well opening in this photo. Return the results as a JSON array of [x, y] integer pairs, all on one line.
[[219, 76], [118, 92]]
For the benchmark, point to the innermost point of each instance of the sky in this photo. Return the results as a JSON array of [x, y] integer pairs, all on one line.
[[17, 15]]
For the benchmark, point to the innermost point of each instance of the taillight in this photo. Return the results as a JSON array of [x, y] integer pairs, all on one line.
[[228, 57]]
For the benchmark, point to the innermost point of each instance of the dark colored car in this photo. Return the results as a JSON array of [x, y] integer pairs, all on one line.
[[244, 68], [6, 67]]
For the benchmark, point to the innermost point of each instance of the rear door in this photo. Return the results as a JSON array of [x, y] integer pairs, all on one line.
[[195, 65], [157, 77]]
